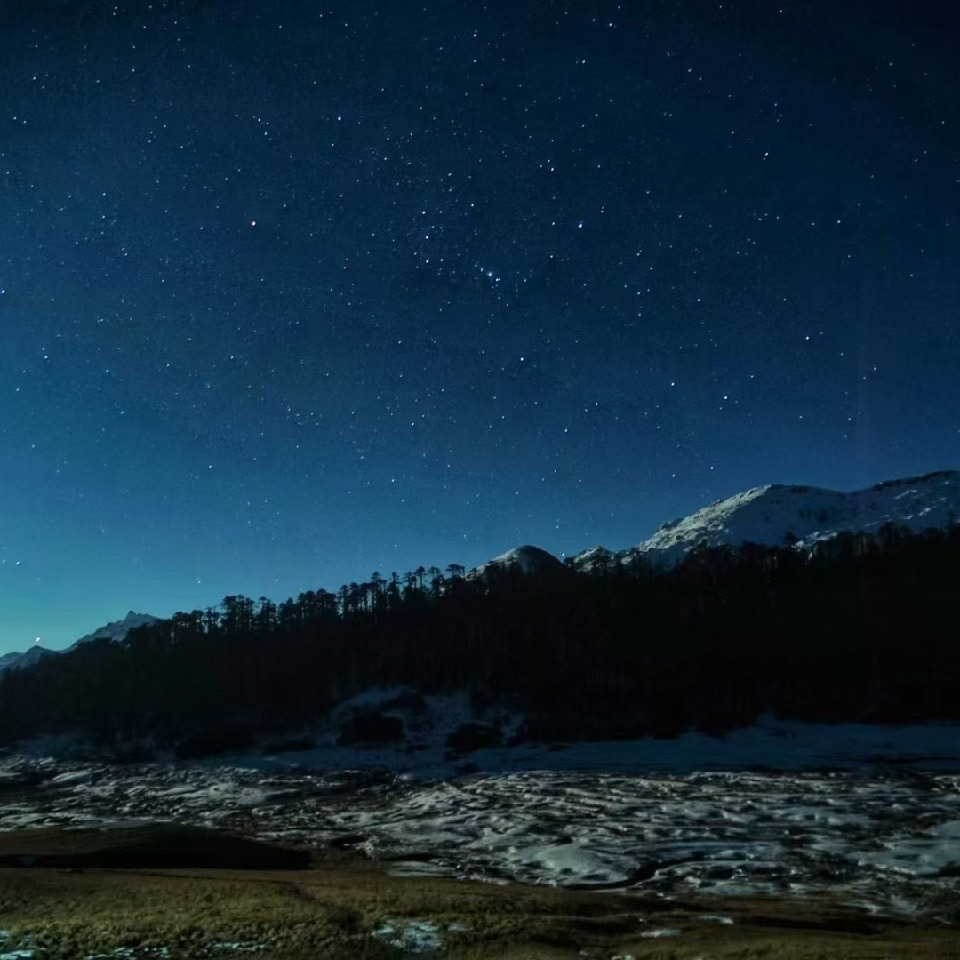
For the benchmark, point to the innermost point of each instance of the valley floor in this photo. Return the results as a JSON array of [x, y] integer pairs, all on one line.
[[841, 858]]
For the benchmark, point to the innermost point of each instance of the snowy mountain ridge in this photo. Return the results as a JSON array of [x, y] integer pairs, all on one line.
[[782, 515], [770, 515], [528, 559]]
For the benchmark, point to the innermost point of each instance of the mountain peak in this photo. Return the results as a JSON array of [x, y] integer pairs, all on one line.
[[16, 660], [527, 558], [117, 629], [780, 514]]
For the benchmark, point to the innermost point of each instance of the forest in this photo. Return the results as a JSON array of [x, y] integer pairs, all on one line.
[[861, 628]]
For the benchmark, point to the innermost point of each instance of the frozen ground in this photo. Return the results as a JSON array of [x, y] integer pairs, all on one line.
[[891, 842], [871, 814]]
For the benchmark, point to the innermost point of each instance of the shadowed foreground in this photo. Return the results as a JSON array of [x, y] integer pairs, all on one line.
[[162, 845]]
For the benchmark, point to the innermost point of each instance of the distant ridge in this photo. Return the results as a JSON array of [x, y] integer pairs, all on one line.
[[782, 515], [527, 559], [17, 661], [115, 630], [771, 515]]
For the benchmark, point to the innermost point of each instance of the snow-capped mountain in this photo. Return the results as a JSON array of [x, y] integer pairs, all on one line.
[[772, 515], [778, 515], [117, 629], [597, 560], [527, 558]]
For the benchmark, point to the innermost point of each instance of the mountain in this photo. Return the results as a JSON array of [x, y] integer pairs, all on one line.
[[771, 515], [597, 560], [778, 515], [17, 661], [117, 629], [841, 634], [527, 559]]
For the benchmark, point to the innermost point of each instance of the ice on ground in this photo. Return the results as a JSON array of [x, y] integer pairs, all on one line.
[[411, 936], [930, 853], [24, 953], [571, 862], [716, 833]]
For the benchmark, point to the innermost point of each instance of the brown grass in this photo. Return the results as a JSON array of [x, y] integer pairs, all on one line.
[[334, 910]]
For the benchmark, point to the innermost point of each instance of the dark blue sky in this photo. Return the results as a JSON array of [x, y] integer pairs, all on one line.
[[291, 292]]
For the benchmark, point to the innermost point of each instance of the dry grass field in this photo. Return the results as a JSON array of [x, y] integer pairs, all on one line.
[[344, 908]]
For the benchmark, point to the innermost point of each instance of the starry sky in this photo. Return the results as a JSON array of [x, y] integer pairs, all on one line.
[[295, 291]]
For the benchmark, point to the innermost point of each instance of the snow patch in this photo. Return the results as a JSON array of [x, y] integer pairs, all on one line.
[[414, 936]]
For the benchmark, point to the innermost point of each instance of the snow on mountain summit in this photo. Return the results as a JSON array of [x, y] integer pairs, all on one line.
[[595, 560], [528, 558], [778, 514]]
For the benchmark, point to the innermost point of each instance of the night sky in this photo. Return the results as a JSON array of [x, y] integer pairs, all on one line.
[[295, 291]]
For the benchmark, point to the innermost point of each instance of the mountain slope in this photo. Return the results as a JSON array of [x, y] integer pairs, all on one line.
[[527, 559], [115, 630], [17, 661], [778, 515]]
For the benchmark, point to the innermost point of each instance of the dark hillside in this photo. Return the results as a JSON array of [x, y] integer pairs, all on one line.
[[862, 629]]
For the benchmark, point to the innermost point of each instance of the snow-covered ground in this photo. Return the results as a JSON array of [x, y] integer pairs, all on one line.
[[891, 842], [771, 744], [871, 813]]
